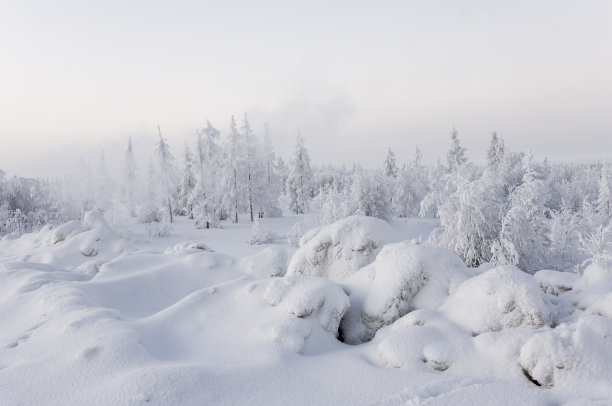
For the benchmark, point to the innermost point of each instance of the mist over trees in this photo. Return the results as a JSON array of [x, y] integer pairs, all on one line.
[[512, 209]]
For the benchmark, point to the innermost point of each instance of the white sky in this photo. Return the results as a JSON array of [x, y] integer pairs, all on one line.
[[356, 77]]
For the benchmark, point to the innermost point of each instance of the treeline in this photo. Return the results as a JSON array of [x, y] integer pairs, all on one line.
[[512, 209]]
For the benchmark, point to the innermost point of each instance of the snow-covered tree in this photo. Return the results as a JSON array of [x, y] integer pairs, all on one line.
[[233, 172], [299, 180], [496, 151], [390, 166], [166, 173], [187, 184], [130, 184], [604, 200], [456, 154], [472, 218]]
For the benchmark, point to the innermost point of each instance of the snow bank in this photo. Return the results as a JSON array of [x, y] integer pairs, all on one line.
[[404, 276], [498, 299], [270, 262], [338, 250]]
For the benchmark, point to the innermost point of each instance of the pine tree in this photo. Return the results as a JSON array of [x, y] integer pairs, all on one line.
[[129, 176], [456, 154], [166, 172], [186, 184], [496, 151], [604, 203], [390, 165], [299, 180]]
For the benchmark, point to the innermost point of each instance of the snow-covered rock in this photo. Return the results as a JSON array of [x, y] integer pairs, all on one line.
[[340, 249], [498, 299], [405, 276]]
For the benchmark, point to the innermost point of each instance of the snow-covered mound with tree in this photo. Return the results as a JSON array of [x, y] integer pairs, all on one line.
[[203, 317]]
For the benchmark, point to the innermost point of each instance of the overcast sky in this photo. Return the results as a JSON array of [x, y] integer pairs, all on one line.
[[354, 77]]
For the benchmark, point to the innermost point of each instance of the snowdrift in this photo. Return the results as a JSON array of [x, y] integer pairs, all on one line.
[[91, 318]]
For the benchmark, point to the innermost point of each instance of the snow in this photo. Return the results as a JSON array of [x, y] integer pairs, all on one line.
[[498, 299], [555, 282], [202, 317], [340, 249], [405, 276]]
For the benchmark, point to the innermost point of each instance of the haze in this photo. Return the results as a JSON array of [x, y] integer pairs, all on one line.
[[355, 78]]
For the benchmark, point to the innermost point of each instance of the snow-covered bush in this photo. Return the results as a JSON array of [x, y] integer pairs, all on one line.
[[261, 235], [498, 299], [338, 250], [159, 229]]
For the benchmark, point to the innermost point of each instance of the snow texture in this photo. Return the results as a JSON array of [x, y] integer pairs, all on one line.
[[340, 249]]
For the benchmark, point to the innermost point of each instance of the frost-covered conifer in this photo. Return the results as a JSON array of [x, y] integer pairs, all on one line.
[[390, 166], [299, 179], [456, 154], [166, 173]]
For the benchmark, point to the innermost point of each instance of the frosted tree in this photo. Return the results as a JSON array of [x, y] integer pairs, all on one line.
[[496, 151], [187, 184], [604, 202], [251, 163], [233, 172], [370, 193], [456, 154], [299, 179], [271, 186], [524, 232], [104, 186], [408, 191], [564, 253], [130, 183], [390, 166], [206, 196], [436, 191], [472, 218], [166, 172]]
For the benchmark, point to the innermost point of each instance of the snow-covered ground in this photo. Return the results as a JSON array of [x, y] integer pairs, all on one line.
[[363, 313]]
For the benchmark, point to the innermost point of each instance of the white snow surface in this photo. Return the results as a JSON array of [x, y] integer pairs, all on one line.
[[95, 316]]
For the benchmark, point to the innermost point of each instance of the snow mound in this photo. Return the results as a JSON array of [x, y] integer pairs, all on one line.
[[188, 246], [340, 249], [423, 338], [498, 299], [73, 245], [570, 355], [555, 282], [593, 292], [405, 276], [270, 262], [65, 230], [314, 298]]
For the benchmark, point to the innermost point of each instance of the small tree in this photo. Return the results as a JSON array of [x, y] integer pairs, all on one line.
[[456, 154]]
